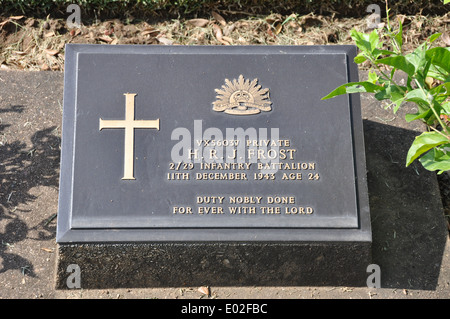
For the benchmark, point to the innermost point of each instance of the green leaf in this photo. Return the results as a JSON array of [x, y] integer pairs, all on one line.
[[417, 58], [446, 106], [444, 88], [378, 52], [392, 73], [440, 57], [361, 41], [398, 62], [432, 120], [436, 160], [353, 87], [417, 96], [374, 40], [420, 115], [398, 37], [372, 77], [359, 59], [392, 93], [424, 143], [433, 37], [438, 73], [366, 42]]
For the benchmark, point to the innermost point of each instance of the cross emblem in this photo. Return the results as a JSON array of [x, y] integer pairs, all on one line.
[[129, 124]]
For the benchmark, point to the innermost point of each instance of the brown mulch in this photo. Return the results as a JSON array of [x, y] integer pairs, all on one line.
[[38, 44]]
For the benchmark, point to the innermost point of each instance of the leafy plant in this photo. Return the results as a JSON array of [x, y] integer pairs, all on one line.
[[428, 86]]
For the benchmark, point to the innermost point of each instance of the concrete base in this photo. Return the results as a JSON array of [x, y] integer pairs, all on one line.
[[216, 264]]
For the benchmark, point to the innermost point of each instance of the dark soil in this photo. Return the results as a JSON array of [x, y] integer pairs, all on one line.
[[444, 185]]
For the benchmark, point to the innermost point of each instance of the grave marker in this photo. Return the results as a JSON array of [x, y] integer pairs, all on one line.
[[224, 154]]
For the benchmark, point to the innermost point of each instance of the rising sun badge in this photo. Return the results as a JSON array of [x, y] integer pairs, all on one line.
[[242, 97]]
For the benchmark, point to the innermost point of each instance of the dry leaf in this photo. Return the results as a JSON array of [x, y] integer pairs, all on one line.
[[198, 22], [228, 29], [272, 20], [149, 28], [228, 39], [47, 249], [105, 38], [74, 32], [219, 35], [45, 67], [51, 52], [217, 32], [242, 40], [278, 28], [219, 18], [269, 31], [165, 41], [150, 31], [50, 34], [446, 39], [204, 290], [9, 20], [89, 35], [224, 42]]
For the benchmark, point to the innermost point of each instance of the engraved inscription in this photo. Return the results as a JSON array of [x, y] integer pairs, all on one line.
[[267, 160], [236, 205]]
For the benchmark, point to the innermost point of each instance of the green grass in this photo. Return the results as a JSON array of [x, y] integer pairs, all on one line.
[[192, 8]]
